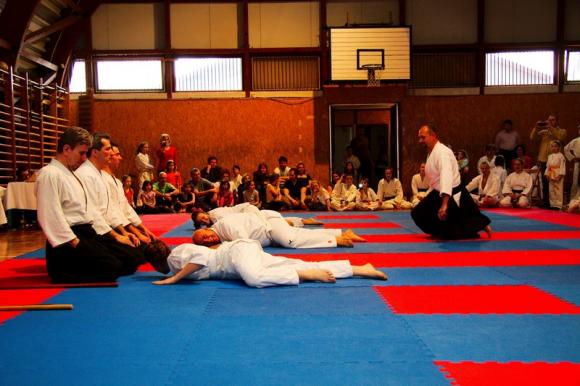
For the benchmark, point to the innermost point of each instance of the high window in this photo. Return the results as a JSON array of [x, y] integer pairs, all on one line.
[[519, 68], [129, 75], [208, 74]]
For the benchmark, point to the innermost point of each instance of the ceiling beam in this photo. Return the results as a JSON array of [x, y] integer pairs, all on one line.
[[25, 53], [52, 28], [14, 21]]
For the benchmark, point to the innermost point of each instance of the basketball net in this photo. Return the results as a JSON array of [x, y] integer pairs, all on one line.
[[373, 76]]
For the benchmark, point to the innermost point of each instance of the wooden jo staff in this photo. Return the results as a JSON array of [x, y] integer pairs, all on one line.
[[38, 307]]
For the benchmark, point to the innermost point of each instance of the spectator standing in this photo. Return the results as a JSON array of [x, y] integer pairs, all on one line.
[[165, 152], [506, 141]]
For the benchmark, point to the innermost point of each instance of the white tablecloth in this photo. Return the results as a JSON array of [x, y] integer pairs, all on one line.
[[20, 195]]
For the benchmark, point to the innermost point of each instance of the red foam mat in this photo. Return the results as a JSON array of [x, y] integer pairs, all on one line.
[[528, 235], [452, 259], [348, 217], [23, 296], [476, 299], [340, 225], [551, 216], [511, 373], [162, 223]]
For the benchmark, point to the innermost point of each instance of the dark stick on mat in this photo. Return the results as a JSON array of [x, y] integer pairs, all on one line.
[[37, 307]]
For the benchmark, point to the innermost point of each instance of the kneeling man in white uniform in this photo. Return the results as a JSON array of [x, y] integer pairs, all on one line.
[[246, 260]]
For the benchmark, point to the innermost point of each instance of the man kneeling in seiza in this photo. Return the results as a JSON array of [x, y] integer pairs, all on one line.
[[245, 260]]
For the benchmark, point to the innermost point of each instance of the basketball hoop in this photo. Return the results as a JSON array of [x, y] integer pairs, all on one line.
[[373, 76]]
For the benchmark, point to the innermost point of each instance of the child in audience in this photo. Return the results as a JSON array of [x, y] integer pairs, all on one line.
[[499, 170], [144, 167], [463, 164], [185, 200], [251, 195], [236, 177], [273, 194], [261, 179], [349, 169], [224, 196], [147, 198], [242, 188], [335, 178], [317, 199], [344, 195], [128, 189], [555, 172], [173, 176], [367, 198]]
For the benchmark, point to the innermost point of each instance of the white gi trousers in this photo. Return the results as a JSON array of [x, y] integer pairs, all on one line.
[[260, 269], [287, 236]]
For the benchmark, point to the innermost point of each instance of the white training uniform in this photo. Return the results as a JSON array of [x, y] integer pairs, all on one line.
[[391, 194], [62, 202], [519, 182], [490, 190], [218, 213], [366, 200], [556, 166], [571, 151], [483, 159], [419, 187], [270, 228], [119, 201], [442, 170], [246, 260], [343, 197], [501, 175], [105, 218]]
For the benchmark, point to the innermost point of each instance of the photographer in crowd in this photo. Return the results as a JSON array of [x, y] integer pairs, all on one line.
[[546, 132]]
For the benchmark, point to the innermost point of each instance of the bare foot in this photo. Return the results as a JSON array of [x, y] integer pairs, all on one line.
[[311, 221], [342, 241], [349, 234], [368, 270], [487, 230], [316, 274]]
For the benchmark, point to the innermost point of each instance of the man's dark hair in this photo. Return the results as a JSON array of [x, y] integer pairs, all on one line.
[[156, 253], [282, 159], [98, 142], [194, 218], [73, 136], [499, 161], [211, 158]]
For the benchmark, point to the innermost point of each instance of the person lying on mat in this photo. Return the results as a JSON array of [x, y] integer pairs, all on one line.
[[203, 219], [246, 260], [270, 228]]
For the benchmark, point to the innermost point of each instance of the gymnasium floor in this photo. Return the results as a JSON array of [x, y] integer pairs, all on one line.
[[504, 311]]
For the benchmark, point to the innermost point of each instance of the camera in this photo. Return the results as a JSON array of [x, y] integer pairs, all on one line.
[[541, 123]]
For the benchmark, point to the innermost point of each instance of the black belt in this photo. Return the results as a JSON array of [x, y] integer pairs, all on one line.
[[83, 230], [517, 191], [421, 190], [456, 189], [389, 197]]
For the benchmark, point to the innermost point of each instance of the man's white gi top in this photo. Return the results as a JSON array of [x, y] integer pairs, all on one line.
[[490, 189], [119, 202], [243, 226], [390, 189], [442, 170], [518, 181], [419, 183], [342, 192], [62, 202]]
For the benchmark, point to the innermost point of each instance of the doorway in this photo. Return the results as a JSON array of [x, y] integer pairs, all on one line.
[[372, 132]]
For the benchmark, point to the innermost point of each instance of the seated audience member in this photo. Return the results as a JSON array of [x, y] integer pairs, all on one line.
[[335, 178], [574, 205], [527, 161], [390, 192], [572, 153], [22, 174], [256, 268], [463, 164], [226, 178], [261, 178], [282, 169], [203, 190], [302, 175], [251, 195], [212, 172], [147, 199], [173, 176], [499, 170], [317, 199], [487, 186], [516, 187], [185, 199], [555, 172], [293, 193], [236, 178], [74, 251], [349, 169], [224, 196], [242, 188], [419, 186], [344, 195], [164, 193], [128, 189], [165, 152], [274, 194], [489, 157], [366, 198]]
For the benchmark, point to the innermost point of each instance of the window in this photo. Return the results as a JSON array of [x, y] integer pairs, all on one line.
[[208, 74], [519, 68], [572, 66], [78, 80], [129, 75]]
